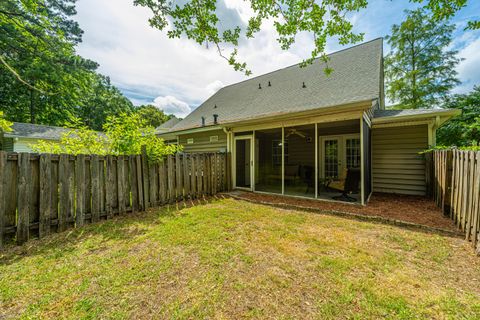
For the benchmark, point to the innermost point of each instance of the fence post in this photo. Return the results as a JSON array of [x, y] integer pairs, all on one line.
[[3, 165], [80, 182], [141, 202], [23, 198], [228, 166], [178, 177], [45, 194], [428, 170], [171, 179], [448, 183], [146, 184]]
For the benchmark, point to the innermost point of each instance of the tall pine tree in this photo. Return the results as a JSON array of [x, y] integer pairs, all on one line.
[[420, 69]]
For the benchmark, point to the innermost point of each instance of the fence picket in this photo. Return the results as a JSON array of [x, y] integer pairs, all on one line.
[[24, 175], [132, 170], [186, 177], [456, 189], [95, 191], [121, 184], [178, 177], [56, 192]]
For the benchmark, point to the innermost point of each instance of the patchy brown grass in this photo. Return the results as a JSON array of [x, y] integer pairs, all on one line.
[[232, 259]]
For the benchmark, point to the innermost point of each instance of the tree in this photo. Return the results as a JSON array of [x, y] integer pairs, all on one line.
[[99, 100], [152, 116], [125, 134], [463, 130], [420, 70], [5, 125], [199, 20], [43, 79]]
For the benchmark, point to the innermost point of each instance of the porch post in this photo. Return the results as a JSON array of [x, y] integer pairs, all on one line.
[[362, 171], [283, 160], [316, 161], [253, 148]]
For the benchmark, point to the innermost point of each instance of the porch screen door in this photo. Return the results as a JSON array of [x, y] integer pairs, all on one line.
[[331, 158], [243, 163]]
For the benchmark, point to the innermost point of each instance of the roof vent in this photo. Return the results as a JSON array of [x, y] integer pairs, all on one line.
[[215, 117], [303, 85], [203, 121], [259, 86], [269, 84], [215, 107]]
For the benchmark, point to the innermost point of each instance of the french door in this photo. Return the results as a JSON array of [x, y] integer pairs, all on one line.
[[338, 153], [331, 157], [243, 162]]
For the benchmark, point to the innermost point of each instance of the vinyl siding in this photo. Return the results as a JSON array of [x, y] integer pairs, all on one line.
[[201, 142], [23, 145], [7, 144], [396, 165]]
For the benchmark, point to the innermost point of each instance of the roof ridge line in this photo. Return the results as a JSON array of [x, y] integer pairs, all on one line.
[[296, 64]]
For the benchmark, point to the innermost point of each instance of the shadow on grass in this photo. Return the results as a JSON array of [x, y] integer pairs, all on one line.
[[121, 228]]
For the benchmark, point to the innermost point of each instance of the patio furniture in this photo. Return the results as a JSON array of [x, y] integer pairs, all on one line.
[[350, 186]]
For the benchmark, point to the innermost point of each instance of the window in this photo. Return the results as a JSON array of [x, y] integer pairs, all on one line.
[[190, 141], [213, 138], [277, 152], [352, 149]]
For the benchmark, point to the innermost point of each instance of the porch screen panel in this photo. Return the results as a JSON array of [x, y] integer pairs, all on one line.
[[268, 160], [367, 159], [300, 161]]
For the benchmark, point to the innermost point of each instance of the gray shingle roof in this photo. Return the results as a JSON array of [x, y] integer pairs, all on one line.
[[167, 124], [407, 112], [356, 77], [36, 131]]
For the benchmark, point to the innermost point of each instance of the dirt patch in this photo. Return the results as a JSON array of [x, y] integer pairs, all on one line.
[[413, 209]]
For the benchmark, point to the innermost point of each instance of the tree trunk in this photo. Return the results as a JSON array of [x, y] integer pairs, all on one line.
[[32, 105]]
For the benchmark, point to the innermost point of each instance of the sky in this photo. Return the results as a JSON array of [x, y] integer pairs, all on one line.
[[177, 75]]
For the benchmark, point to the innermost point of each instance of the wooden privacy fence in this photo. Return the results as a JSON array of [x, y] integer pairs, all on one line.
[[453, 180], [41, 194]]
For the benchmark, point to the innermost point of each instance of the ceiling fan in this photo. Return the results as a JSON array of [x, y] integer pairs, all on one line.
[[293, 131]]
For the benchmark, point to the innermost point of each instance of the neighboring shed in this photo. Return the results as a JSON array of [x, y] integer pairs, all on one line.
[[23, 135]]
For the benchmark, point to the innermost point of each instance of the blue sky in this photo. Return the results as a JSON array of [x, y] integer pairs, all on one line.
[[177, 75]]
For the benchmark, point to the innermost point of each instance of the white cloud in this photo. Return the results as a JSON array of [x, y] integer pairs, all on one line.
[[146, 64], [469, 69], [172, 105], [214, 86]]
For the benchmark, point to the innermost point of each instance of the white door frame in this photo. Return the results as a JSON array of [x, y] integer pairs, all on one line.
[[234, 158], [342, 154]]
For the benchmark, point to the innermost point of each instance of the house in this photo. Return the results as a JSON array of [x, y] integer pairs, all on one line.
[[23, 135], [167, 125], [298, 132]]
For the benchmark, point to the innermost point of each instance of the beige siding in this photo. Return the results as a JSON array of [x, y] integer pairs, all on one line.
[[396, 165], [7, 144], [201, 142], [24, 145]]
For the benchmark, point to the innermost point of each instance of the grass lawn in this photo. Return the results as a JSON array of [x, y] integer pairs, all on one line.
[[233, 259]]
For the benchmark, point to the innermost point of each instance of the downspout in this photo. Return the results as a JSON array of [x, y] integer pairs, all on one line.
[[227, 132], [434, 130]]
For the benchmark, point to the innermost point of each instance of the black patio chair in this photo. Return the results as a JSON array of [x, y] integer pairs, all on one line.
[[352, 182]]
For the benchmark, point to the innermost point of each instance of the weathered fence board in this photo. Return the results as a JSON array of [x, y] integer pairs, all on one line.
[[40, 195], [455, 187]]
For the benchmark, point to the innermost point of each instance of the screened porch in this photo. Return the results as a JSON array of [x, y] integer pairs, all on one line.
[[320, 160]]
